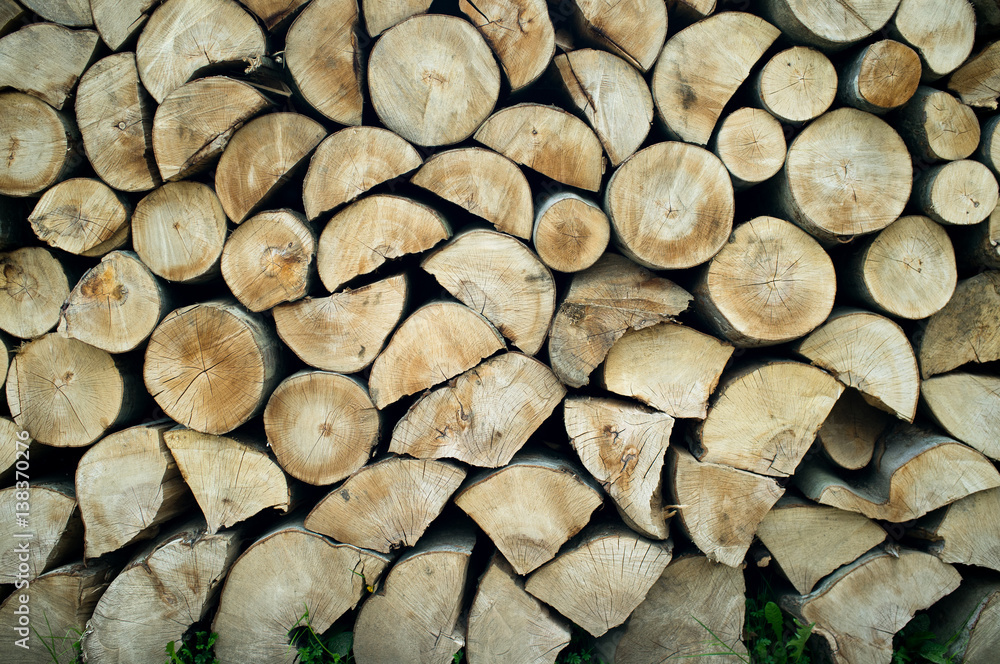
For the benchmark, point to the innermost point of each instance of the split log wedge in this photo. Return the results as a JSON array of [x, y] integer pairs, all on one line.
[[967, 406], [977, 82], [965, 330], [829, 24], [55, 529], [71, 13], [966, 532], [880, 77], [273, 12], [796, 85], [613, 27], [119, 20], [81, 216], [942, 32], [46, 60], [960, 193], [380, 15], [936, 126], [850, 431], [972, 613], [751, 144], [520, 32], [33, 286], [40, 142], [11, 14], [570, 232]]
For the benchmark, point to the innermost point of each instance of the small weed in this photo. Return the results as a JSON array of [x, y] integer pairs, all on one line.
[[197, 648], [55, 646], [315, 648], [916, 643], [772, 636], [580, 650]]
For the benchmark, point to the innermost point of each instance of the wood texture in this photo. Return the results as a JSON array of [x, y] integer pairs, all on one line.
[[33, 286], [50, 78], [81, 216], [39, 142], [520, 32], [570, 232], [751, 144]]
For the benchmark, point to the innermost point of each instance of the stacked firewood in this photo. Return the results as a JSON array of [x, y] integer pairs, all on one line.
[[459, 325]]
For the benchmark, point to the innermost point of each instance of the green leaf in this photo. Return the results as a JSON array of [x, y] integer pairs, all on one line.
[[797, 644], [340, 644], [774, 618]]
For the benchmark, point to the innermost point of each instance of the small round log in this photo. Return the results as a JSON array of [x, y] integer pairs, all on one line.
[[33, 286], [570, 232], [829, 24], [937, 127], [40, 144], [519, 32], [960, 193], [797, 84], [880, 77], [81, 216], [751, 144], [46, 60], [942, 31]]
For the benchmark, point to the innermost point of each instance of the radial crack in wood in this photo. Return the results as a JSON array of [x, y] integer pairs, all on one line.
[[570, 232], [879, 77], [520, 33], [33, 286], [751, 144], [81, 216], [41, 144], [796, 85], [936, 126], [614, 27]]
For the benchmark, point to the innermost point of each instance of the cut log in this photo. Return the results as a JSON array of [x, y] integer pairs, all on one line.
[[751, 144], [958, 193], [119, 20], [33, 286], [260, 158], [869, 353], [977, 82], [965, 330], [380, 15], [570, 232], [482, 417], [40, 144], [692, 10], [604, 302], [66, 393], [166, 588], [345, 331], [769, 284], [520, 32], [829, 24], [693, 592], [115, 116], [451, 338], [614, 28], [322, 426], [611, 557], [286, 573], [127, 485], [388, 504], [483, 182], [914, 473], [11, 15], [611, 95], [442, 96], [416, 615], [50, 78], [790, 401], [942, 31], [273, 12], [81, 216], [546, 139], [966, 532], [906, 270], [972, 614], [846, 174], [323, 56], [880, 77], [623, 445], [967, 406], [692, 86], [268, 259], [719, 507], [796, 85], [850, 431], [70, 13], [183, 36], [936, 126], [363, 236], [9, 452], [211, 366], [530, 507], [52, 536], [671, 206], [179, 232], [859, 608], [502, 279], [809, 541], [506, 624], [192, 127], [352, 161]]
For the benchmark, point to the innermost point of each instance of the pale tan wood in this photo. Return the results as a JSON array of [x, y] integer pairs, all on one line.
[[570, 232], [33, 286], [967, 406], [850, 431], [416, 614], [66, 393], [50, 77], [179, 232], [183, 36], [211, 366], [769, 284], [719, 507], [751, 144], [959, 193], [829, 24], [260, 158], [483, 182], [796, 85], [615, 28], [623, 446], [53, 532], [506, 624], [869, 353], [286, 572], [81, 216], [482, 417], [809, 541], [671, 206], [915, 472], [9, 452], [39, 141], [546, 139], [907, 270], [387, 504], [611, 557], [602, 303], [195, 122], [70, 13], [936, 126], [115, 116], [11, 14], [967, 531], [691, 86], [846, 174], [972, 615], [942, 31], [380, 15], [164, 589], [345, 331], [965, 330], [322, 53], [977, 82], [520, 32], [268, 259], [692, 10], [442, 96], [273, 12], [451, 338], [764, 417], [880, 77], [500, 278], [119, 20], [530, 507], [611, 95], [859, 608], [321, 426]]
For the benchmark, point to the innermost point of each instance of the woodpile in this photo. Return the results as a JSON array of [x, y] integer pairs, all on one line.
[[495, 326]]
